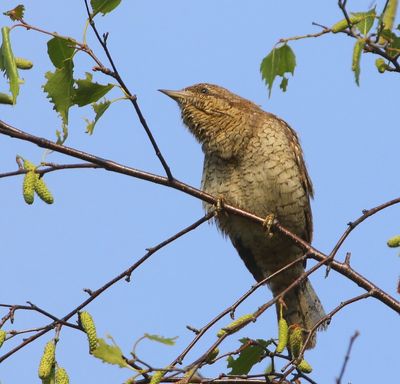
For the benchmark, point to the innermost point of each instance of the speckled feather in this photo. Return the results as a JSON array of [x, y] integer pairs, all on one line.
[[253, 160]]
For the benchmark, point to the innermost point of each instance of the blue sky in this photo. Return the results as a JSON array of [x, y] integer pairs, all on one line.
[[102, 222]]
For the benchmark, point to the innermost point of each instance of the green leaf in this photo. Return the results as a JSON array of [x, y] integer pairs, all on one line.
[[278, 62], [355, 66], [110, 354], [16, 14], [104, 6], [60, 51], [393, 46], [8, 63], [389, 14], [161, 339], [283, 84], [248, 357], [59, 89], [99, 109], [366, 20], [88, 92]]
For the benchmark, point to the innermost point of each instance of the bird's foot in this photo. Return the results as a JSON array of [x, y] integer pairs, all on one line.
[[268, 223], [219, 205]]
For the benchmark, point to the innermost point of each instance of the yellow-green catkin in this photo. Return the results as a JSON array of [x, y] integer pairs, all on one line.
[[304, 366], [23, 63], [394, 242], [43, 192], [3, 335], [47, 361], [295, 345], [283, 332], [28, 186], [358, 47], [236, 325], [61, 376], [212, 355], [157, 377], [343, 24], [29, 166], [89, 327], [5, 98], [295, 340], [380, 65], [51, 378]]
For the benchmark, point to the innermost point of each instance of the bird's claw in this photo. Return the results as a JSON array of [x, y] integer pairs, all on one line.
[[219, 205], [268, 223]]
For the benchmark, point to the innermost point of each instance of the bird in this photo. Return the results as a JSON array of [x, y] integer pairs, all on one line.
[[253, 160]]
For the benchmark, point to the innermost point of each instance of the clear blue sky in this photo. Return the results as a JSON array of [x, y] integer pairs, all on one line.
[[102, 222]]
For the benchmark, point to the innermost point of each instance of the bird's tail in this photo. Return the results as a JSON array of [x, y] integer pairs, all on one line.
[[303, 307]]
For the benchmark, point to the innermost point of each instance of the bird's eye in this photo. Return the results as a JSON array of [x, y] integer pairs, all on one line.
[[204, 90]]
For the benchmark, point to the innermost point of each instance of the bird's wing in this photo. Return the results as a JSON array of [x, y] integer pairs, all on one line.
[[305, 178]]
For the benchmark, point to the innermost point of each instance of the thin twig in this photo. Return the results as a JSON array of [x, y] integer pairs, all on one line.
[[132, 98], [347, 357], [307, 36], [109, 165], [230, 309], [80, 46], [30, 307], [126, 274]]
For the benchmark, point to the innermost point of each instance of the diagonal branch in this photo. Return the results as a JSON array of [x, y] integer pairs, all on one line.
[[94, 294], [347, 357], [342, 268], [115, 74]]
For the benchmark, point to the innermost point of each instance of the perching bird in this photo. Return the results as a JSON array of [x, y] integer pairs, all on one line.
[[253, 160]]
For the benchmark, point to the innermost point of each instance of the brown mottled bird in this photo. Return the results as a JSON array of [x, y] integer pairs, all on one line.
[[253, 160]]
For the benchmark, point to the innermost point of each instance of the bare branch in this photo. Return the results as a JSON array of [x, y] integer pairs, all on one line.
[[109, 165], [347, 357], [132, 98], [94, 294]]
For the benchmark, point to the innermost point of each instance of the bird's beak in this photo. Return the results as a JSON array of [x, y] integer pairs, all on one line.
[[176, 95]]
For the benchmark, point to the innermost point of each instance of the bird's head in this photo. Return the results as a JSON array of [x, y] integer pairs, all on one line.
[[217, 117]]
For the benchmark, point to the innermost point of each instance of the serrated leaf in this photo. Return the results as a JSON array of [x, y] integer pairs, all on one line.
[[278, 62], [247, 358], [355, 66], [161, 339], [88, 92], [16, 14], [366, 20], [60, 51], [104, 6], [110, 354], [59, 89], [8, 63], [99, 109]]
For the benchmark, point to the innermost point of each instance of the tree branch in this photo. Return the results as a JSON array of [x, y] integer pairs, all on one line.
[[94, 294], [347, 357], [115, 74], [342, 268]]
